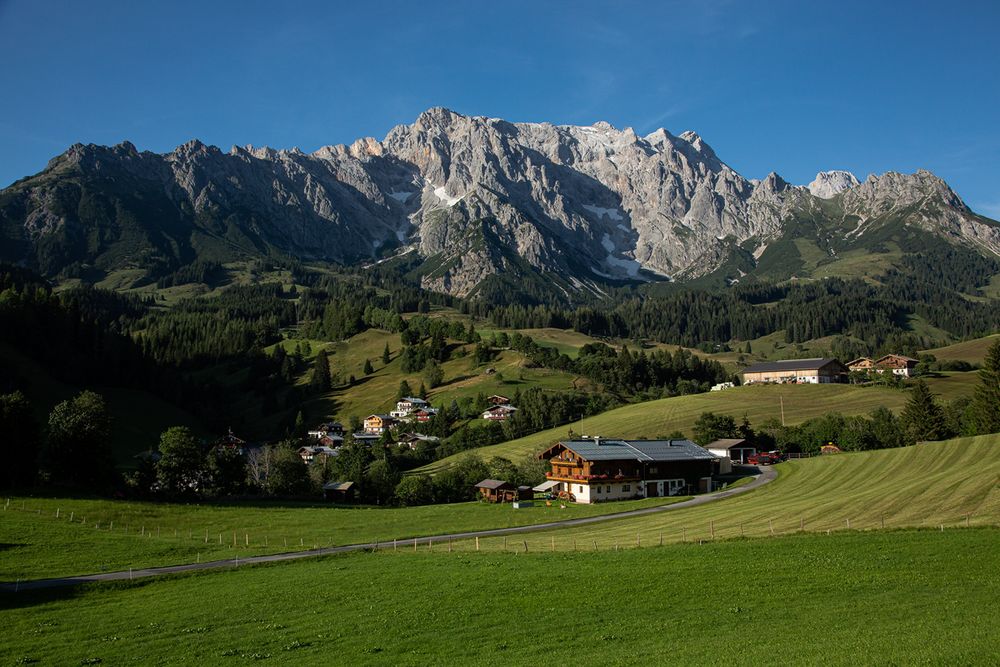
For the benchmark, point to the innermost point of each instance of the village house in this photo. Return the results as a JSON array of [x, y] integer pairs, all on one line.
[[861, 365], [366, 438], [406, 405], [327, 429], [312, 453], [378, 424], [796, 371], [600, 469], [412, 440], [497, 399], [499, 412]]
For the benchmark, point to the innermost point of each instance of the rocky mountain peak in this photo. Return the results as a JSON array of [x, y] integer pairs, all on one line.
[[829, 184], [477, 197]]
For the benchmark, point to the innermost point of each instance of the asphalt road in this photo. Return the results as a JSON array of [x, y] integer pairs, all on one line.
[[767, 474]]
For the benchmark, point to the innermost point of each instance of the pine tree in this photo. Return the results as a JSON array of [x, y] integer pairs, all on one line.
[[403, 391], [368, 367], [320, 379], [986, 400], [385, 355], [922, 417]]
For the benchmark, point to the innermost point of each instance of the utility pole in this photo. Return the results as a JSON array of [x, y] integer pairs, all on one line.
[[782, 399]]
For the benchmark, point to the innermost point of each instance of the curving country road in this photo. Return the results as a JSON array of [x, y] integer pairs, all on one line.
[[765, 476]]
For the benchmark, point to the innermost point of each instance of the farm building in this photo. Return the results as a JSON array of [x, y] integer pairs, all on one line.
[[734, 449], [796, 371], [499, 491], [599, 469], [339, 492], [497, 399], [861, 365]]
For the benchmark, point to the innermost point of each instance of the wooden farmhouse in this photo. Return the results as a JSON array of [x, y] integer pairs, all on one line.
[[599, 469], [339, 492], [497, 399], [796, 371], [897, 364]]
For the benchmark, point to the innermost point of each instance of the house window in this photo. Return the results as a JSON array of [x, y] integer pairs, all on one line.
[[580, 488], [626, 487], [653, 471], [609, 488]]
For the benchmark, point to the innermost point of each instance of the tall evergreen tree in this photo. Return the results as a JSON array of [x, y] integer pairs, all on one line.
[[385, 355], [368, 369], [922, 417], [985, 407], [404, 390], [320, 379]]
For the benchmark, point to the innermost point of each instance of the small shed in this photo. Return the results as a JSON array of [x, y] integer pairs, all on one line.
[[525, 492], [339, 492], [497, 491], [738, 450]]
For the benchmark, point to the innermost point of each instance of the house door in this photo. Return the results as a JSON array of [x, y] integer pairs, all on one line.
[[652, 490]]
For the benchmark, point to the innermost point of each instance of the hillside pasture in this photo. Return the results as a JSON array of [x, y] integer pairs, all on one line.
[[659, 418], [935, 485], [971, 351]]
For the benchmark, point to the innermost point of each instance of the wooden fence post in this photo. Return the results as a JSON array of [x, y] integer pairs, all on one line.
[[477, 543], [711, 528], [770, 526]]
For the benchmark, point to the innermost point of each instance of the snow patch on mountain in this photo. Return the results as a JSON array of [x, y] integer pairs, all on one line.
[[601, 212], [442, 194]]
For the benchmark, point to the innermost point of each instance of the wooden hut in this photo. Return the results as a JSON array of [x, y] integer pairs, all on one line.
[[497, 491]]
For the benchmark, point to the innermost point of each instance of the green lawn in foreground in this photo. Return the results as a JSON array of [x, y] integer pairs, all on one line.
[[659, 418], [927, 485], [912, 597], [35, 544]]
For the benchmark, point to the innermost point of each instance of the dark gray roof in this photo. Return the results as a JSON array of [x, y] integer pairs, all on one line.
[[338, 486], [726, 443], [789, 365], [492, 484], [637, 450]]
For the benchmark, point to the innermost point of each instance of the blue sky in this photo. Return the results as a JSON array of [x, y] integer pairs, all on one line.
[[791, 87]]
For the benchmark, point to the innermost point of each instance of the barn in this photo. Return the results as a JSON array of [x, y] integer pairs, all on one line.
[[796, 371]]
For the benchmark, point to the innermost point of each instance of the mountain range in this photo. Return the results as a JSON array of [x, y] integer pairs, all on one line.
[[472, 202]]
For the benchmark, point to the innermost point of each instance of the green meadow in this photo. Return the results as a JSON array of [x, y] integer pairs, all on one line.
[[109, 535], [894, 597]]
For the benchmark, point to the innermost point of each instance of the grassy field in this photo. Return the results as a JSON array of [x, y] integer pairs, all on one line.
[[950, 484], [659, 418], [972, 351], [834, 600], [36, 544]]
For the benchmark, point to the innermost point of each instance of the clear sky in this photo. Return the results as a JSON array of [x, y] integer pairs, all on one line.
[[791, 87]]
